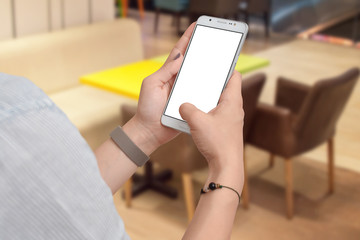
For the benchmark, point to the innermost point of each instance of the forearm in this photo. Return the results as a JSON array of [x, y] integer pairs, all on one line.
[[115, 167], [216, 210]]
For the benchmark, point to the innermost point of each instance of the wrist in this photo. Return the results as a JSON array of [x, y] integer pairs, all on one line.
[[141, 136], [234, 181], [232, 174], [228, 161]]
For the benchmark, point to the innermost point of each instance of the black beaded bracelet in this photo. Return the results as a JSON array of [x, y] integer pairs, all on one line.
[[213, 186]]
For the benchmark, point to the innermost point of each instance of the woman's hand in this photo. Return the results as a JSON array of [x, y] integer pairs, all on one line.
[[154, 93], [219, 137], [144, 129], [219, 134]]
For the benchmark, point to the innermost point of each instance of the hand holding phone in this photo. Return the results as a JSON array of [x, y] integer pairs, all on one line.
[[154, 93], [218, 134], [208, 63]]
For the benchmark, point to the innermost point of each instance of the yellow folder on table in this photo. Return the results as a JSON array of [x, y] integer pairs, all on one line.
[[127, 79]]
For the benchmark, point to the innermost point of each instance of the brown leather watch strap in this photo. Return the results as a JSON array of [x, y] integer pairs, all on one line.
[[128, 147]]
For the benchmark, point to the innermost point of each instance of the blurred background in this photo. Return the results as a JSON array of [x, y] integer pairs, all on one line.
[[301, 98]]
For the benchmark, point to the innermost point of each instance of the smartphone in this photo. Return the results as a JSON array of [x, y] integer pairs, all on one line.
[[208, 64]]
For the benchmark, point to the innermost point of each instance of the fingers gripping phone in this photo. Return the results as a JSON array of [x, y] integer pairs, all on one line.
[[209, 61]]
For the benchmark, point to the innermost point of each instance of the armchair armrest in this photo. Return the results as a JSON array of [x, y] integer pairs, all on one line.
[[290, 94], [272, 128]]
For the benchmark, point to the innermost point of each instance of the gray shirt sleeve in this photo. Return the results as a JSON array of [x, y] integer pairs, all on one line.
[[50, 184]]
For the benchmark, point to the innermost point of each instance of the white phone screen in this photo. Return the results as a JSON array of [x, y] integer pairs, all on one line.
[[204, 71]]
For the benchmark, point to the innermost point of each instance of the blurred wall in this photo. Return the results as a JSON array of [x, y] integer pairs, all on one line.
[[6, 27], [24, 17], [293, 16]]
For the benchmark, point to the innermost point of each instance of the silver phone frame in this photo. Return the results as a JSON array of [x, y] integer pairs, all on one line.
[[214, 22]]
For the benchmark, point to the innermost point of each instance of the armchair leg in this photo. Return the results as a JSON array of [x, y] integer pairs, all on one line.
[[141, 9], [178, 22], [157, 14], [128, 192], [330, 148], [246, 19], [266, 23], [188, 194], [124, 6], [245, 192], [289, 188], [271, 160]]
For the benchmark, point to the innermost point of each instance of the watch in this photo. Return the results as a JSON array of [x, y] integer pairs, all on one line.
[[130, 149]]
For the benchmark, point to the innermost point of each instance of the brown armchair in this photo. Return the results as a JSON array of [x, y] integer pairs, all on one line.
[[303, 117], [181, 154]]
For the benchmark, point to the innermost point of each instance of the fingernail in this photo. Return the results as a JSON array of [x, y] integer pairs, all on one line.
[[177, 56]]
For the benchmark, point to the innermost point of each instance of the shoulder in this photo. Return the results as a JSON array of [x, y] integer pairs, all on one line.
[[44, 157], [20, 95]]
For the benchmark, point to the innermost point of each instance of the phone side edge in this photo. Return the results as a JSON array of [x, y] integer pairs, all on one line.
[[242, 41], [175, 124], [168, 121]]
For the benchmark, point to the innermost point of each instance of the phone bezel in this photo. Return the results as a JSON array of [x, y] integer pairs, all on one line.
[[214, 22]]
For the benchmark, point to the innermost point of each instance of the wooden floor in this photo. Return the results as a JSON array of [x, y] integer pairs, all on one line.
[[317, 215]]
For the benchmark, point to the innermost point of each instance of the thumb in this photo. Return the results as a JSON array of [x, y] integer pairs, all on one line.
[[170, 68], [190, 113]]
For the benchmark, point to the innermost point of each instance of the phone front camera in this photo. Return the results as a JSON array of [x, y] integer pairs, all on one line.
[[210, 19]]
